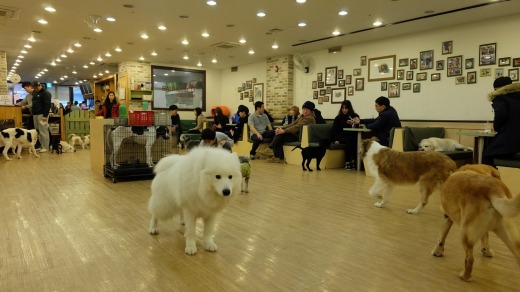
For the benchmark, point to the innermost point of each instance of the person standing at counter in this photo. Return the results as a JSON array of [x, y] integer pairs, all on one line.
[[41, 104]]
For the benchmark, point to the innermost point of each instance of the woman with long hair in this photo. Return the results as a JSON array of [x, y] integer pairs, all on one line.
[[220, 120], [200, 119], [339, 136], [110, 107]]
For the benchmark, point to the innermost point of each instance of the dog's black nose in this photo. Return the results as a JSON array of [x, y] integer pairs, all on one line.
[[226, 192]]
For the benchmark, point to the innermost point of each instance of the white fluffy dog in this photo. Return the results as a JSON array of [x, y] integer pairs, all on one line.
[[441, 144], [76, 140], [86, 141], [197, 185], [66, 147]]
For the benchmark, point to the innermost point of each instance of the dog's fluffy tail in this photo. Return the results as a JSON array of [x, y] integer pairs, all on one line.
[[506, 207], [166, 163], [296, 147]]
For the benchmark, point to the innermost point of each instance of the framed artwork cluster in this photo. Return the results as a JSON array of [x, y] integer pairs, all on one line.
[[331, 85], [251, 91]]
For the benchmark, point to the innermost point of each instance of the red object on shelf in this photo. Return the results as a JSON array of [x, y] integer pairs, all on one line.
[[141, 118]]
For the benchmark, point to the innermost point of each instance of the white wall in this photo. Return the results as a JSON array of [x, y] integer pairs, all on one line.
[[439, 100]]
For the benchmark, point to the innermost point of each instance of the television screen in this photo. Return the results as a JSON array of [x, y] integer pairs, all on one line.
[[86, 91]]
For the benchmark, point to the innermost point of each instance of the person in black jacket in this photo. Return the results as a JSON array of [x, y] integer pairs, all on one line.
[[243, 116], [339, 136], [381, 126], [176, 121], [506, 105], [41, 104]]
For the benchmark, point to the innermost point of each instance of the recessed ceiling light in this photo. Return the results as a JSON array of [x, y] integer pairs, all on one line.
[[260, 14], [106, 71], [99, 59], [15, 65], [70, 50], [21, 56], [185, 42], [251, 52], [165, 74], [118, 49], [85, 66], [111, 19], [42, 21], [63, 56], [50, 9], [55, 82], [205, 34], [92, 63], [274, 46], [61, 78], [377, 23], [108, 54], [23, 51], [186, 57], [214, 60], [161, 27], [45, 70], [65, 76], [141, 58], [199, 64], [27, 46], [212, 3], [153, 53], [95, 76], [336, 32], [74, 72], [31, 39], [301, 1], [97, 29], [144, 36], [343, 12], [77, 45], [58, 60], [18, 61], [302, 24], [242, 41], [53, 63]]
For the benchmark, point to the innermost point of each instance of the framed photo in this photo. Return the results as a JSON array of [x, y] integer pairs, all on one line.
[[326, 98], [384, 86], [341, 83], [363, 60], [243, 86], [409, 75], [471, 77], [487, 54], [400, 74], [447, 47], [421, 76], [350, 90], [241, 95], [329, 90], [239, 89], [469, 63], [246, 95], [258, 92], [499, 72], [315, 95], [439, 65], [416, 87], [513, 74], [435, 77], [413, 63], [460, 80], [254, 80], [516, 62], [323, 91], [331, 75], [403, 62], [314, 84], [249, 84], [381, 68], [321, 84], [504, 62], [407, 86], [340, 74], [320, 100], [251, 98], [348, 79], [394, 89], [338, 95], [320, 76], [454, 66], [426, 58], [360, 84], [485, 72], [357, 72]]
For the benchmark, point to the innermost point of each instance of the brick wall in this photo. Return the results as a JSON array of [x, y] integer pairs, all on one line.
[[138, 72], [3, 72], [279, 85]]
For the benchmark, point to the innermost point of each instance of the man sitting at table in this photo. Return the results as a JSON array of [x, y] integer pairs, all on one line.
[[381, 126], [505, 100]]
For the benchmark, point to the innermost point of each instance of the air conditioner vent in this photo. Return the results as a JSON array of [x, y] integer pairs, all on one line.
[[225, 45], [273, 30]]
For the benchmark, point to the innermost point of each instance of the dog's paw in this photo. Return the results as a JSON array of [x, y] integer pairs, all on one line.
[[209, 245], [438, 251], [247, 191], [378, 204], [412, 211], [464, 277], [487, 252], [190, 249], [153, 231]]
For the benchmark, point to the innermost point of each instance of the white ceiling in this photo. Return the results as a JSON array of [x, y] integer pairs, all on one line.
[[228, 21]]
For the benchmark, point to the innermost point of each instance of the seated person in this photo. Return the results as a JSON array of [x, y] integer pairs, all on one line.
[[243, 116], [236, 116], [291, 116], [340, 136], [200, 119], [259, 127], [220, 121], [505, 100], [381, 126], [291, 133], [211, 138]]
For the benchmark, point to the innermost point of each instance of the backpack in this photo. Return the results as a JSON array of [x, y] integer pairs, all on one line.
[[319, 117]]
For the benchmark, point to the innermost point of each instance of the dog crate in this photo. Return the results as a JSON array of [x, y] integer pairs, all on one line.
[[132, 151], [162, 118]]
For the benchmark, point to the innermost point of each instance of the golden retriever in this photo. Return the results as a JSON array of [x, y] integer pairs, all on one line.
[[475, 198], [391, 167]]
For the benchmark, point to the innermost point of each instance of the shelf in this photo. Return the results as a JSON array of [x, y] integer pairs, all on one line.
[[138, 94]]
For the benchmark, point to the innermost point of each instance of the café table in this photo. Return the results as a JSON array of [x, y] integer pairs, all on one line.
[[480, 136], [359, 138]]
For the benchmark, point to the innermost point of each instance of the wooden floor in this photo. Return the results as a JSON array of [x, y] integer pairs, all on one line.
[[64, 228]]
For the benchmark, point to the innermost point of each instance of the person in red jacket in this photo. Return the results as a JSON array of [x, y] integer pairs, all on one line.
[[110, 108]]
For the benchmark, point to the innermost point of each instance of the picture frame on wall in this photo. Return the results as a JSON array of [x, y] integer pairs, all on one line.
[[426, 60], [341, 83], [241, 95], [435, 77], [331, 75], [469, 63], [421, 76], [249, 84], [246, 95], [485, 72], [416, 87], [321, 84], [348, 79], [516, 62], [360, 84], [381, 68], [319, 76], [340, 74], [384, 85], [314, 84], [407, 86], [258, 92], [323, 91], [350, 90], [338, 95], [454, 66], [487, 54], [513, 74], [363, 60], [326, 98], [315, 95], [409, 75], [499, 72], [447, 47], [413, 63], [403, 62], [400, 74], [460, 80], [394, 89], [320, 100], [356, 72], [439, 65], [329, 90], [471, 77], [502, 62]]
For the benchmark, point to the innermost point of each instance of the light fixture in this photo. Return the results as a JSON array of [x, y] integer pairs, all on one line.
[[141, 58], [274, 46], [50, 9], [301, 1], [336, 32], [251, 52], [45, 70], [153, 54], [63, 56], [212, 3], [118, 49], [92, 63], [42, 21], [74, 72], [106, 71], [161, 27], [58, 60], [31, 39], [65, 76], [70, 50], [111, 19], [343, 12], [61, 78], [53, 63], [302, 24], [77, 45], [214, 60], [95, 76], [185, 42], [27, 46], [261, 14], [377, 23], [165, 74], [55, 81], [85, 66], [15, 65], [97, 29], [23, 51], [242, 41], [76, 83], [99, 59], [144, 36], [199, 64], [108, 54], [186, 57], [18, 61], [21, 56], [205, 34]]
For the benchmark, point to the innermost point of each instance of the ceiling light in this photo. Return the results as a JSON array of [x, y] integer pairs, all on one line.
[[21, 56], [251, 52], [18, 61], [199, 64], [302, 24], [242, 41], [58, 60], [336, 32], [185, 42], [92, 63], [53, 63], [50, 9], [144, 36], [45, 70], [74, 72], [205, 34], [63, 56], [165, 74], [118, 49], [108, 54], [186, 57], [95, 76], [55, 81], [76, 83], [274, 46], [70, 50], [214, 60], [106, 71], [212, 3], [260, 14], [99, 59], [97, 29], [61, 78], [111, 19], [343, 12], [42, 21], [77, 45], [161, 27], [65, 76], [23, 51], [15, 65], [27, 46], [31, 39], [85, 66], [301, 1], [141, 58], [377, 23], [153, 54]]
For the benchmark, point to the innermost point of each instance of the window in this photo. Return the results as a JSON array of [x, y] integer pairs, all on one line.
[[184, 88]]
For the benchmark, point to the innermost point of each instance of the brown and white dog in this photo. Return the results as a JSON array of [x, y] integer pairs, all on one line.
[[475, 198], [18, 137], [429, 168], [76, 140]]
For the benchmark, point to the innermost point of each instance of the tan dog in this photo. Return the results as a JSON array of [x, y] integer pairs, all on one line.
[[429, 168], [475, 198]]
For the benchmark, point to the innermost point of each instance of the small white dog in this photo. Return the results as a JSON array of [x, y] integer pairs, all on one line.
[[197, 185], [441, 144], [76, 140], [86, 141], [66, 147]]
